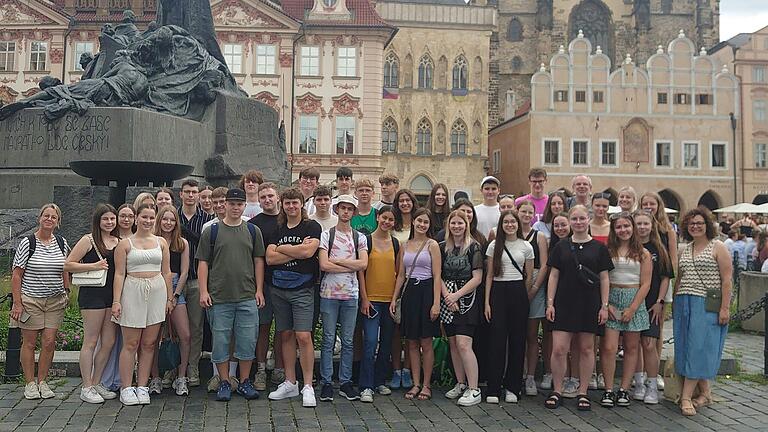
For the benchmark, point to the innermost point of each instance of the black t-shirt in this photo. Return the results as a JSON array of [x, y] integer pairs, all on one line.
[[295, 236], [268, 226], [658, 274], [591, 254], [458, 266]]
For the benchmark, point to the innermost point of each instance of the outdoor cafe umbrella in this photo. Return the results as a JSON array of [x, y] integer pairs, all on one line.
[[739, 208]]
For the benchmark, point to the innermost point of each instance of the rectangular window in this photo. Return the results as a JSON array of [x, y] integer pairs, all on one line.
[[704, 99], [80, 49], [346, 61], [682, 99], [265, 59], [233, 55], [581, 96], [496, 164], [761, 155], [7, 56], [758, 74], [597, 96], [690, 155], [661, 98], [307, 134], [580, 153], [608, 153], [664, 154], [38, 53], [310, 61], [552, 152], [717, 158], [758, 110], [561, 96], [345, 135]]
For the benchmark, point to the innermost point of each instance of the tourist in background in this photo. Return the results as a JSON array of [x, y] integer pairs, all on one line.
[[438, 205], [40, 289], [581, 185], [250, 182], [144, 198], [322, 204], [488, 211], [206, 203], [143, 297], [164, 197], [537, 180], [389, 184], [95, 251], [700, 327], [555, 206], [308, 179]]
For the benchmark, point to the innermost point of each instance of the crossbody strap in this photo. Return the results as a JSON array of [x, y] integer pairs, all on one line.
[[514, 263], [93, 243], [413, 264]]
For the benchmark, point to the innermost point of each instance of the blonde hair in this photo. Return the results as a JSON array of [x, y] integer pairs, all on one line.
[[140, 198], [468, 239], [630, 190], [55, 208]]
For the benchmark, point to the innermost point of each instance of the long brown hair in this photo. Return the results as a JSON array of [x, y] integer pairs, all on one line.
[[635, 247], [661, 214], [291, 193], [419, 212], [176, 244], [432, 206], [665, 264], [98, 240], [501, 238], [396, 206]]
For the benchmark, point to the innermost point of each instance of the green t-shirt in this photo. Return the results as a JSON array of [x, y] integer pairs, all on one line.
[[365, 224], [231, 271]]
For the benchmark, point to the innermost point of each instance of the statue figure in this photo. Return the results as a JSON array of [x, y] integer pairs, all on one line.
[[544, 14], [126, 32], [281, 135], [48, 81], [194, 16]]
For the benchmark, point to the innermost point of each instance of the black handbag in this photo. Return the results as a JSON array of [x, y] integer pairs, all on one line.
[[169, 354], [585, 274]]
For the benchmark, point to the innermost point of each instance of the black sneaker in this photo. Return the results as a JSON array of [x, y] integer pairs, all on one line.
[[622, 398], [326, 394], [348, 391], [609, 399]]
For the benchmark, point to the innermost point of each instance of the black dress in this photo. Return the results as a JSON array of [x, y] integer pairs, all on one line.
[[577, 305], [457, 269], [97, 297]]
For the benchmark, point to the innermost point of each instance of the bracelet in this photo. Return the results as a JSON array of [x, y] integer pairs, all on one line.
[[115, 302]]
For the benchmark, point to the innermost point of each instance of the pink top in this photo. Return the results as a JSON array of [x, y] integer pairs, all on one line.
[[423, 268]]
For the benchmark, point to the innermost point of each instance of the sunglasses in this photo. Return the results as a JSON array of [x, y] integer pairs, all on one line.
[[621, 215], [602, 195], [502, 196]]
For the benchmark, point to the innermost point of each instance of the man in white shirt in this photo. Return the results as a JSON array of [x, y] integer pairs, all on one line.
[[488, 212], [390, 184], [322, 204], [308, 179]]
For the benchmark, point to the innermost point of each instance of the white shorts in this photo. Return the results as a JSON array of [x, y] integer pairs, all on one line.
[[142, 302]]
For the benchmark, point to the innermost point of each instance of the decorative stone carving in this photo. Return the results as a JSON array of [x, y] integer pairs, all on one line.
[[344, 161], [7, 94], [594, 18], [31, 92], [268, 98], [637, 135], [238, 14], [642, 13], [15, 12], [286, 59], [345, 104], [309, 103], [57, 55]]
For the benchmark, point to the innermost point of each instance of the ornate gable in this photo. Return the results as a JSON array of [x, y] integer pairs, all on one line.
[[14, 12], [239, 13]]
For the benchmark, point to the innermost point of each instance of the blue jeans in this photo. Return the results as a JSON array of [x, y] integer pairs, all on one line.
[[242, 319], [332, 312], [377, 330]]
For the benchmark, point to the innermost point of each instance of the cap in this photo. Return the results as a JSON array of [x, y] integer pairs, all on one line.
[[349, 199], [490, 179], [235, 194]]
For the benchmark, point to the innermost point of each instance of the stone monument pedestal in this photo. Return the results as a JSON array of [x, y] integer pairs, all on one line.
[[77, 204]]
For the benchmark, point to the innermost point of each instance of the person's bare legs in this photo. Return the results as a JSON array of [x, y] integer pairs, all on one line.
[[47, 348], [131, 338], [93, 320], [457, 360], [468, 360], [397, 349], [108, 338], [532, 345], [547, 351], [289, 354], [561, 344], [586, 355], [427, 363], [650, 357], [413, 351], [181, 328], [29, 341], [148, 344], [610, 345], [307, 353]]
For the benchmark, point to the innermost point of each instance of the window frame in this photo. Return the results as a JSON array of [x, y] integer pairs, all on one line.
[[338, 128], [758, 73], [428, 70], [580, 96], [682, 99], [762, 117], [389, 132], [712, 145], [346, 64], [703, 99], [457, 132], [421, 132], [460, 74], [496, 161], [596, 99], [587, 154], [77, 53], [615, 142], [262, 67], [698, 154], [10, 56], [391, 71], [302, 128], [760, 155], [656, 153], [307, 69], [233, 56], [662, 98], [558, 153], [38, 53]]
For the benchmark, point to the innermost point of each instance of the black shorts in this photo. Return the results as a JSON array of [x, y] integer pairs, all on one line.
[[94, 298], [654, 331], [459, 329]]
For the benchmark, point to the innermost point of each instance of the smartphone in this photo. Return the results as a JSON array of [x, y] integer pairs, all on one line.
[[24, 316], [374, 314]]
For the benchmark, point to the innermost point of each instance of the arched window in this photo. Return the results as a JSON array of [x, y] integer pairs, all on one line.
[[391, 71], [460, 73], [517, 63], [389, 136], [426, 71], [593, 18], [459, 138], [515, 31], [424, 138]]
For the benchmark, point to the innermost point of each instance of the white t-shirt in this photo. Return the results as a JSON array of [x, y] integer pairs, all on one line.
[[520, 250], [543, 228], [309, 206], [341, 286], [252, 209], [764, 269], [487, 218], [326, 224]]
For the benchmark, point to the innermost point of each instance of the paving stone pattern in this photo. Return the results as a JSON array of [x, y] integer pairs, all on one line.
[[742, 407]]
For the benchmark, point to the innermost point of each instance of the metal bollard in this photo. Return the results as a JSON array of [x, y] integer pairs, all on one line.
[[13, 352]]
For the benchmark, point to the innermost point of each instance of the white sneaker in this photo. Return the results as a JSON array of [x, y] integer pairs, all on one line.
[[31, 391], [651, 396], [456, 391], [180, 385], [45, 391], [128, 396], [600, 382], [308, 396], [510, 397], [593, 382], [156, 386], [142, 394], [660, 383], [366, 396], [638, 393], [104, 392], [89, 394], [530, 386], [471, 397], [285, 390], [546, 382], [492, 399], [570, 388], [384, 390]]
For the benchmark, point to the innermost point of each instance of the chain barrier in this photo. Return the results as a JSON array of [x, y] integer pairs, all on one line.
[[748, 312]]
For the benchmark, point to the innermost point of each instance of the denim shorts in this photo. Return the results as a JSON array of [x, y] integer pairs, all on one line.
[[181, 300], [240, 319]]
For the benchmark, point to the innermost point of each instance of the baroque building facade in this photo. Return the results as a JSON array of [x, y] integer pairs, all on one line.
[[318, 63], [663, 128], [435, 90], [530, 30]]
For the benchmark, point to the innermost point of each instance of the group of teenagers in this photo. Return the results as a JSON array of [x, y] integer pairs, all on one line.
[[491, 277]]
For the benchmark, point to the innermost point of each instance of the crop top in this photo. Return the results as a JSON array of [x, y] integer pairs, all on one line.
[[144, 260]]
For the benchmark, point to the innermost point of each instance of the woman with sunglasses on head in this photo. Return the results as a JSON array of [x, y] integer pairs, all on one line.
[[555, 205], [599, 225], [647, 233], [700, 321], [438, 205], [577, 303], [462, 274], [627, 315], [419, 281]]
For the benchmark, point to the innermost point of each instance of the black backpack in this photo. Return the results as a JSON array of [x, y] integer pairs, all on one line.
[[332, 237], [215, 233], [395, 244], [33, 244]]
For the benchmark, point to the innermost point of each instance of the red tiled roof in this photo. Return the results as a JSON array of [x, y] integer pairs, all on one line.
[[363, 14]]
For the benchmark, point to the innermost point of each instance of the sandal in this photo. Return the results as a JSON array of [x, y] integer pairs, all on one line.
[[425, 393], [583, 403], [702, 401], [553, 401], [411, 394], [689, 410]]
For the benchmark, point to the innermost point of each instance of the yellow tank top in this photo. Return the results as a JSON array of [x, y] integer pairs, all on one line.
[[380, 275]]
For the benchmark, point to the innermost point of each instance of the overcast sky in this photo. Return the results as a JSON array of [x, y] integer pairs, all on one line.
[[742, 16]]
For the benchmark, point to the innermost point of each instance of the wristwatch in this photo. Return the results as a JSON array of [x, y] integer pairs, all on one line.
[[177, 295]]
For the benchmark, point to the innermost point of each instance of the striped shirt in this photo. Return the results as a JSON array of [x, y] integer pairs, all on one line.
[[43, 271], [191, 229]]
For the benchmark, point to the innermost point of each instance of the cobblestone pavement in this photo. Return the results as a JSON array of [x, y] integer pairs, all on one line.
[[741, 407]]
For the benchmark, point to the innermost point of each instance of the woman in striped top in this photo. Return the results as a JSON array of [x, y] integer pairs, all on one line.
[[40, 289]]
